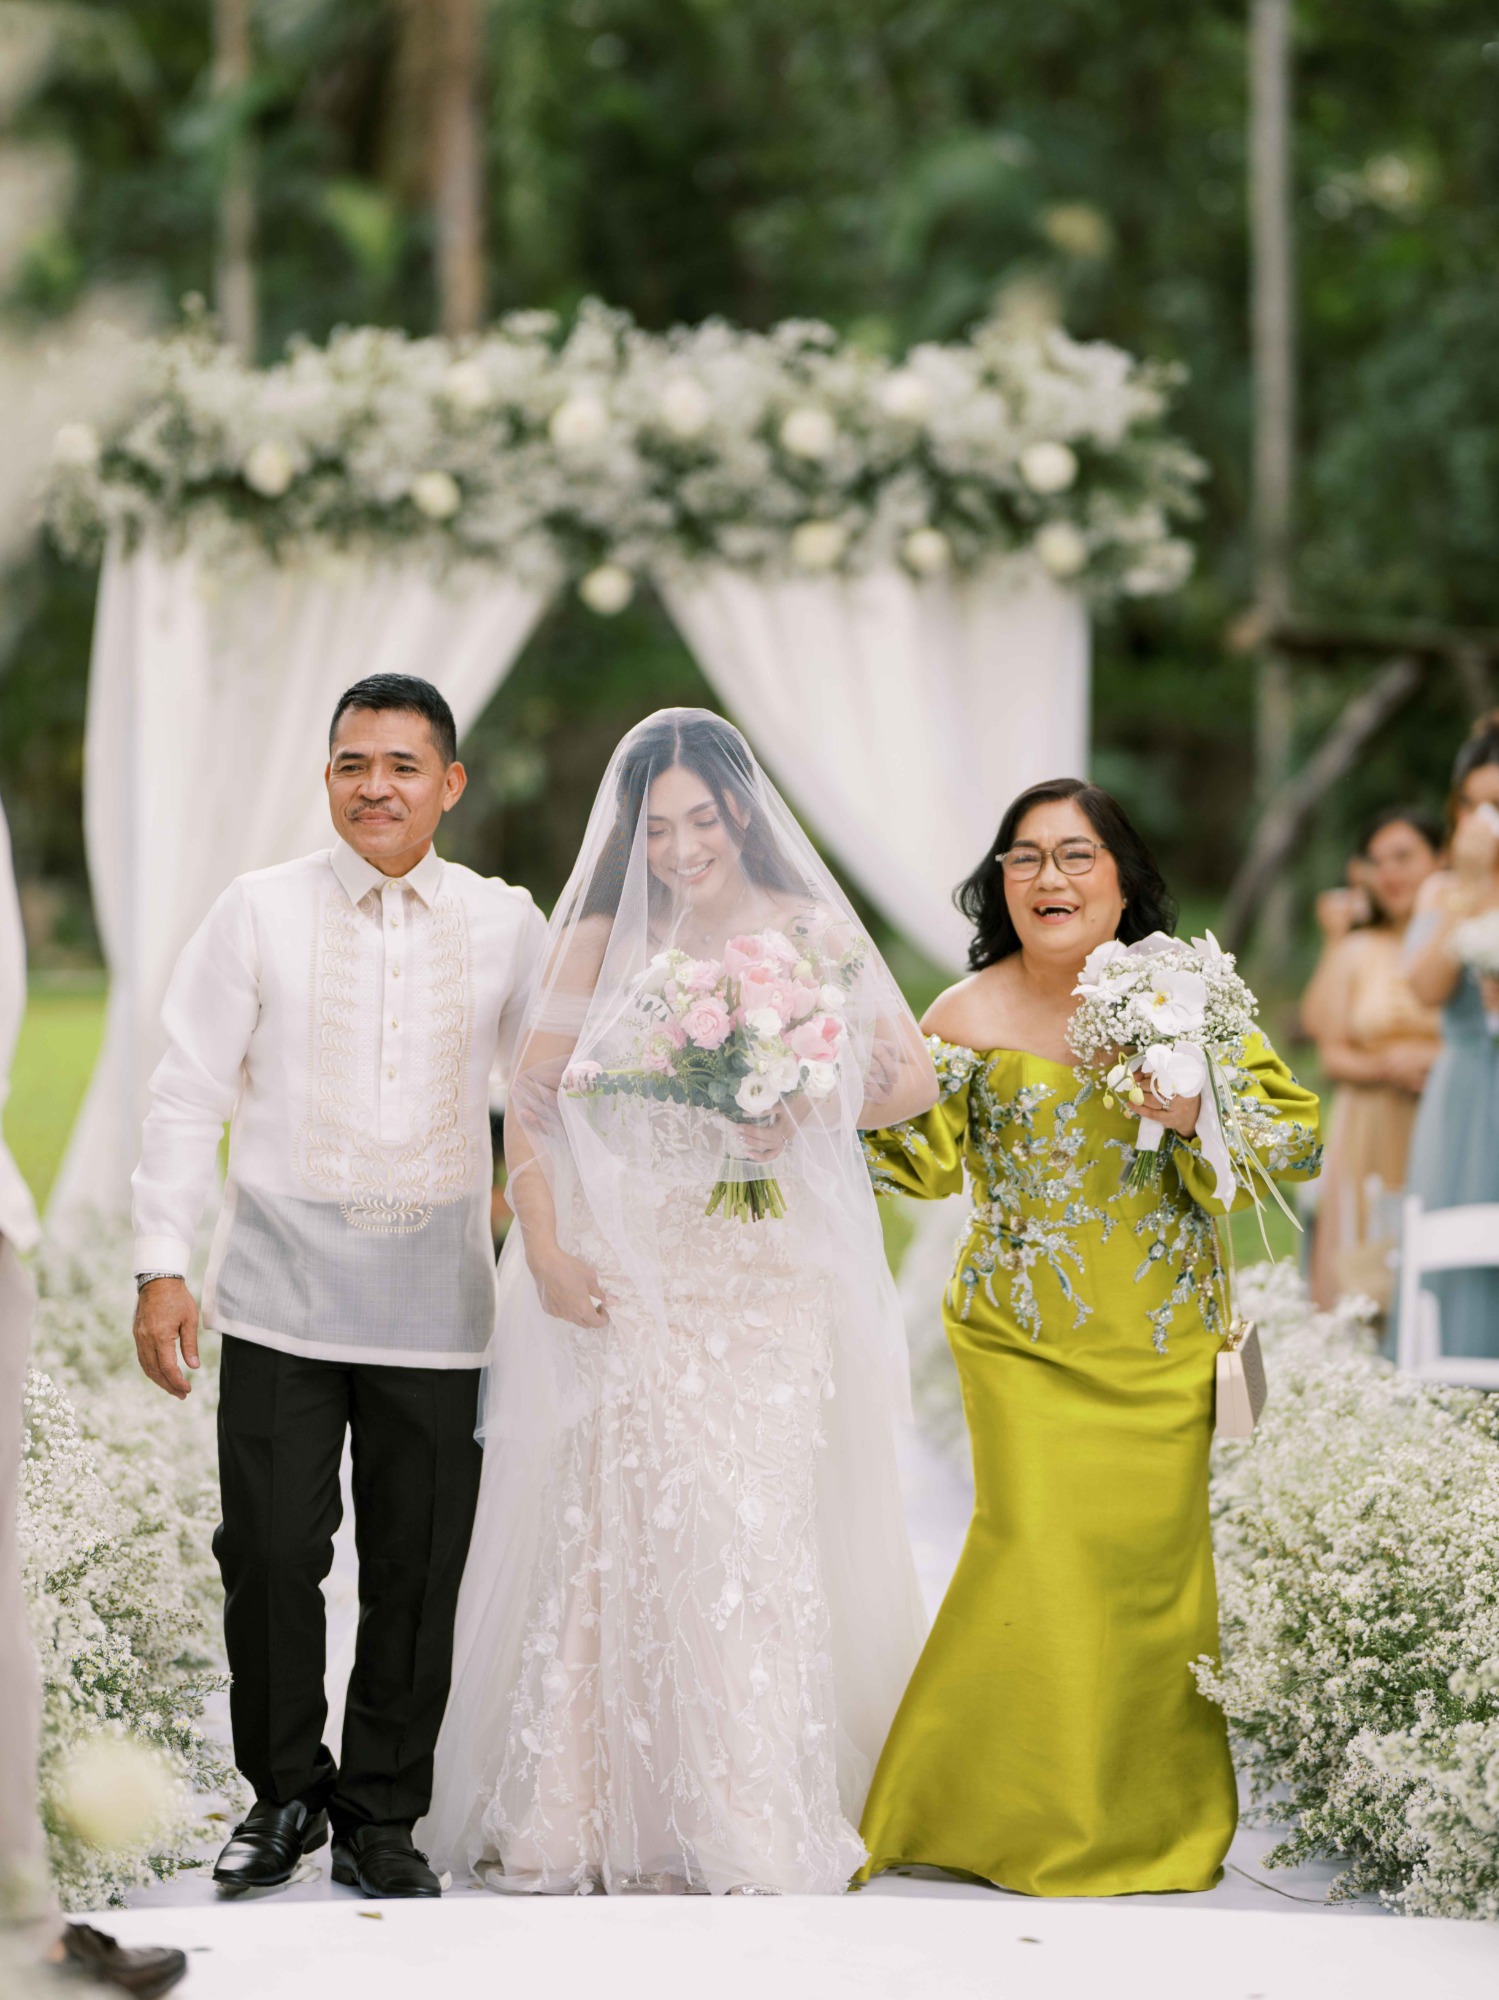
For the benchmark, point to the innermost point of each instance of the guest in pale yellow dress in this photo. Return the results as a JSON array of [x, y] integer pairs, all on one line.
[[1377, 1042], [1052, 1739]]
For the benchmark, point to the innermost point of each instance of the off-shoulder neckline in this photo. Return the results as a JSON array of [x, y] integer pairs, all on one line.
[[1023, 1055]]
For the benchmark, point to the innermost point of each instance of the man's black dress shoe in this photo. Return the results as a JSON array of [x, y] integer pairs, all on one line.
[[266, 1846], [94, 1958], [381, 1861]]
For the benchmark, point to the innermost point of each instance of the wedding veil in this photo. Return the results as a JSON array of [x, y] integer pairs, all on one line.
[[598, 1136]]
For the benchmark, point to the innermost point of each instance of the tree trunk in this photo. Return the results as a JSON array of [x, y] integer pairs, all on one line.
[[1274, 336], [234, 272], [1287, 813], [457, 137]]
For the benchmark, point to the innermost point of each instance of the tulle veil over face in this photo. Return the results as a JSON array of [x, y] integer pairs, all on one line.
[[712, 1026]]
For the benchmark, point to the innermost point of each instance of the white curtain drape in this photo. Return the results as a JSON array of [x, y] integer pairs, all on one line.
[[901, 716], [209, 699]]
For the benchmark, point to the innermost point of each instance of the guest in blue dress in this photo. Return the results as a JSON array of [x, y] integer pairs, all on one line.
[[1455, 1147]]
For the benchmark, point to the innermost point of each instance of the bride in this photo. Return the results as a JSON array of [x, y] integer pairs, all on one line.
[[690, 1609]]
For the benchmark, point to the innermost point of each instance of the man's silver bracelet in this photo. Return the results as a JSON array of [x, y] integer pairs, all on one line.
[[144, 1278]]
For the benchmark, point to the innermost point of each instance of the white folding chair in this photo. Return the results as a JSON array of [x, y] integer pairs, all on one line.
[[1442, 1239]]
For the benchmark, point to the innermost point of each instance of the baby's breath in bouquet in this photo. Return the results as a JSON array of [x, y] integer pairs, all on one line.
[[1177, 1017]]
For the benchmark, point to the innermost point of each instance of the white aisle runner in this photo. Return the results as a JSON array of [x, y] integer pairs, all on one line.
[[900, 1938]]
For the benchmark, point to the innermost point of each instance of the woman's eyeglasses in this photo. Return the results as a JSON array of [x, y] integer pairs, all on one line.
[[1073, 857]]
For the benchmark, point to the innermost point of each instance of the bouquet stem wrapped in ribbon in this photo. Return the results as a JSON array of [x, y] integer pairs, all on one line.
[[743, 1036], [1177, 1017]]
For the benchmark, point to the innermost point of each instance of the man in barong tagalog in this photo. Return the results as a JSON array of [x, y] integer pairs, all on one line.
[[343, 1011]]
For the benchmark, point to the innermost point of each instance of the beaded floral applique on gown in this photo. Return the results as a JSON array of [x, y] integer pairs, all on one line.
[[674, 1727]]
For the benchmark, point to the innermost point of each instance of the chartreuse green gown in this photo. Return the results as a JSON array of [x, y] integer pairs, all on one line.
[[1052, 1739]]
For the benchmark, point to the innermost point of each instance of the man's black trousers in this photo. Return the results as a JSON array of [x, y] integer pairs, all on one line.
[[282, 1421]]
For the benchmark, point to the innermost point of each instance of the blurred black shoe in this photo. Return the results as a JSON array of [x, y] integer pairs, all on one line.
[[89, 1957]]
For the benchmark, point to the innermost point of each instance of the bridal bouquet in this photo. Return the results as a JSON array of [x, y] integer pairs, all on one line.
[[1175, 1016], [740, 1035], [1475, 944]]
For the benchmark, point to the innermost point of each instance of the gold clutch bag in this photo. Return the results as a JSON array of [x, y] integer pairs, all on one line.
[[1241, 1388]]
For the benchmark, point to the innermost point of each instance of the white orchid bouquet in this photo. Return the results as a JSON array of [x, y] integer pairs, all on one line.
[[1175, 1017], [739, 1036]]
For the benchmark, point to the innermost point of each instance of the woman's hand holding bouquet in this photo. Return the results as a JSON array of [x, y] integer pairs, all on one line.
[[1165, 1024]]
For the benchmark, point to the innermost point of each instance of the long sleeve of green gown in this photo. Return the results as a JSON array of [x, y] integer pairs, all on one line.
[[1279, 1117], [924, 1157]]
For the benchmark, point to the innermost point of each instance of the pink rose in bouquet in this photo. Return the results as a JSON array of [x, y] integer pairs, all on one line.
[[765, 987], [817, 1040], [707, 1023]]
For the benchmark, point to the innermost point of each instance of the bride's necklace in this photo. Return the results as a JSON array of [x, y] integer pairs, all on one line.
[[700, 936]]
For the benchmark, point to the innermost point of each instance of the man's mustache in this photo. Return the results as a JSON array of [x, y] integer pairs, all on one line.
[[377, 805]]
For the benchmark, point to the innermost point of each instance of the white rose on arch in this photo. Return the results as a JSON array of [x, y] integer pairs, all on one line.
[[686, 407], [437, 495], [1048, 467], [1063, 549], [607, 589], [269, 468], [807, 432], [927, 551], [578, 423], [76, 444], [903, 394], [819, 545], [466, 386]]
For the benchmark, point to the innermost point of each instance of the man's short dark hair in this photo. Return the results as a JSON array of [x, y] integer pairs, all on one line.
[[407, 693]]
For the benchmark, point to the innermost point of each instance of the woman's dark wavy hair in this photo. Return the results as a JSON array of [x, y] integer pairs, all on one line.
[[714, 751], [1148, 903], [1482, 747]]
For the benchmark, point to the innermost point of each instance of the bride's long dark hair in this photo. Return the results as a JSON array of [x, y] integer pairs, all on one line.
[[714, 751], [1148, 904]]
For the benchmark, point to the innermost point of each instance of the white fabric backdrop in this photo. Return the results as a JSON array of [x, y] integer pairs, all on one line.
[[901, 716], [208, 699]]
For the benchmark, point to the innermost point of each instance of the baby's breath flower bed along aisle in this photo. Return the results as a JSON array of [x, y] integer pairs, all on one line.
[[599, 451], [1357, 1538], [1358, 1548], [118, 1504]]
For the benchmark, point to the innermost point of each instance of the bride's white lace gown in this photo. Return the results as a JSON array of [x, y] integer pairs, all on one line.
[[674, 1723]]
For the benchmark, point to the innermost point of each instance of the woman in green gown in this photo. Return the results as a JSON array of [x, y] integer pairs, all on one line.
[[1052, 1739]]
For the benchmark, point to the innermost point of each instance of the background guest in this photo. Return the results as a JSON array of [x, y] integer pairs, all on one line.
[[29, 1915], [1377, 1042], [1455, 1148]]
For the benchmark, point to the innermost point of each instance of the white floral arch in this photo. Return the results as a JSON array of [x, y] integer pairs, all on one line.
[[884, 571]]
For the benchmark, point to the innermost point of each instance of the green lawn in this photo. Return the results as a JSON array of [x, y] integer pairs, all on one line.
[[59, 1039]]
